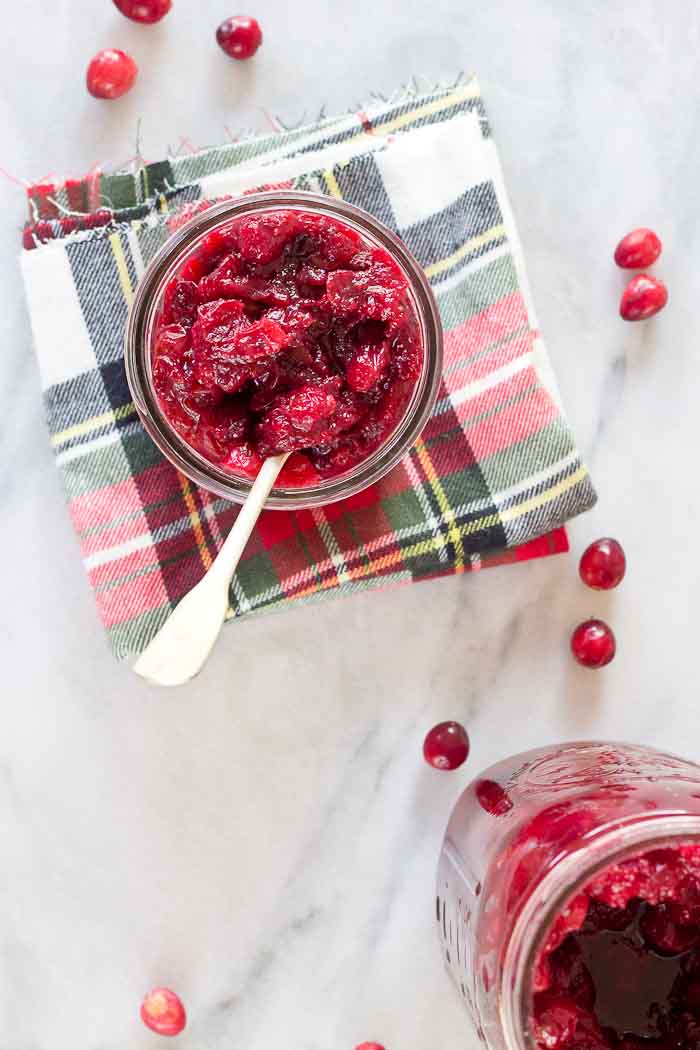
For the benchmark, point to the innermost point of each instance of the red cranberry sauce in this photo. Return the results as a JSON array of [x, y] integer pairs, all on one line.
[[287, 331], [621, 967]]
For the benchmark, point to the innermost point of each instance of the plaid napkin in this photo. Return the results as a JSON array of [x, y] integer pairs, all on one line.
[[496, 471]]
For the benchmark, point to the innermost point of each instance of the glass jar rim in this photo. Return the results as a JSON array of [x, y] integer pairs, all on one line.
[[606, 846], [166, 263]]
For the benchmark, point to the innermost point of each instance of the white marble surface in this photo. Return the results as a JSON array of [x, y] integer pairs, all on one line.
[[265, 839]]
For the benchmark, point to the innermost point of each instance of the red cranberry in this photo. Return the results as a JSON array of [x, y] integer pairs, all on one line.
[[446, 746], [163, 1012], [369, 1046], [593, 644], [145, 11], [492, 797], [111, 73], [240, 36], [639, 249], [643, 297], [603, 564]]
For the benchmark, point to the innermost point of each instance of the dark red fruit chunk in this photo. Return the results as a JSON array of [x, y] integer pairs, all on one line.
[[240, 36], [180, 303], [145, 11], [492, 797], [243, 459], [295, 420], [556, 1020], [639, 249], [593, 644], [664, 935], [603, 564], [367, 366], [111, 73], [162, 1011], [446, 746], [643, 297]]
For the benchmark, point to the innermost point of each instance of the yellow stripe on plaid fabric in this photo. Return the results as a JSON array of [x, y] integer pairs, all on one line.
[[453, 533], [332, 184], [535, 502], [103, 420], [120, 261], [494, 234], [437, 106], [195, 520]]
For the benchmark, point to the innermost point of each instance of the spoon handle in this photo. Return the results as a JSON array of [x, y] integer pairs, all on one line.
[[184, 642]]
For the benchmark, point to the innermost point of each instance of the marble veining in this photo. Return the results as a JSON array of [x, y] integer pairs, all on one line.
[[265, 839]]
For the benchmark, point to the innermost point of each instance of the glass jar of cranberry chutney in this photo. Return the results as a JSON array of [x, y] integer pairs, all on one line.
[[568, 900], [284, 322]]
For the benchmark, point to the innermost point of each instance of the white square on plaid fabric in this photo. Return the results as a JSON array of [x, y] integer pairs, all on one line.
[[425, 171], [61, 338]]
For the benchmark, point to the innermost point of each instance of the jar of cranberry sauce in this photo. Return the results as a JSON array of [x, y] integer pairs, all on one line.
[[568, 900], [284, 322]]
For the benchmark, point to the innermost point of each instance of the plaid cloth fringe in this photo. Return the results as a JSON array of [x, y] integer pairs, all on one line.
[[492, 479]]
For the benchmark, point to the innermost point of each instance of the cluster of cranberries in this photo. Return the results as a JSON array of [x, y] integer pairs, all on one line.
[[644, 295], [112, 72], [602, 568]]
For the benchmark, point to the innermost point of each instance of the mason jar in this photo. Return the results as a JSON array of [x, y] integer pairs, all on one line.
[[525, 838], [147, 305]]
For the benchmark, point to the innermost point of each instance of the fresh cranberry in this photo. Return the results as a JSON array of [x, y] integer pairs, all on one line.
[[145, 11], [493, 798], [163, 1012], [639, 249], [240, 36], [643, 297], [369, 1046], [446, 746], [111, 73], [593, 644], [603, 564]]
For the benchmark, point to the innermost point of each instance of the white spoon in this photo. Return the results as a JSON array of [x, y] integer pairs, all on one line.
[[184, 642]]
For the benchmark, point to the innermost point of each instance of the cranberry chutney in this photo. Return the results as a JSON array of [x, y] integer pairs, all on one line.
[[568, 900], [286, 331]]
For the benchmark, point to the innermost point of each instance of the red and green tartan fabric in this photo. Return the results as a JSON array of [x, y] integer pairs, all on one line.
[[496, 472]]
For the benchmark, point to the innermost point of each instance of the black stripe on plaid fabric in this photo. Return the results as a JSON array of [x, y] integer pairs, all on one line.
[[361, 183], [101, 298], [113, 376], [440, 235], [156, 178]]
